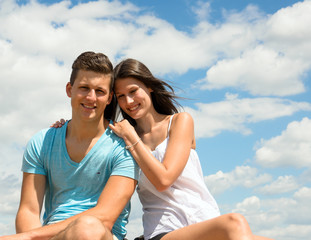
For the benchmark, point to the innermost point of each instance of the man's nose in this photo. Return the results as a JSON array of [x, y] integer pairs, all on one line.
[[91, 94]]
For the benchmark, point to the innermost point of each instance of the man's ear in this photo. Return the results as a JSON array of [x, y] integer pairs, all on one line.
[[68, 89]]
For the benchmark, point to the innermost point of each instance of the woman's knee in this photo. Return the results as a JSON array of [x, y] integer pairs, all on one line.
[[237, 224], [236, 218]]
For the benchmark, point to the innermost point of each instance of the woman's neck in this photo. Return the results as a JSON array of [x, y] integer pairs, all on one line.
[[149, 122]]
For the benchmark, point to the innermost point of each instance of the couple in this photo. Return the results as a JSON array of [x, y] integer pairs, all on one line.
[[87, 172]]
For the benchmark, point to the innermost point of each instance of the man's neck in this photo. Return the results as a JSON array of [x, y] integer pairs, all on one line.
[[81, 130], [81, 137]]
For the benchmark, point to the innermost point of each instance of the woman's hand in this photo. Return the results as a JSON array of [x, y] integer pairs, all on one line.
[[59, 124], [123, 129]]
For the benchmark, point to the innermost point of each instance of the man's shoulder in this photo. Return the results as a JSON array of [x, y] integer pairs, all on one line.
[[45, 132], [43, 136], [39, 135], [114, 137]]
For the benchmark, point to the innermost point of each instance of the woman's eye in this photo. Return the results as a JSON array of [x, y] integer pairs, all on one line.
[[120, 96]]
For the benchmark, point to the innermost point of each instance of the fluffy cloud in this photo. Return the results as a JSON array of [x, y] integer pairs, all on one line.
[[61, 30], [10, 193], [30, 84], [291, 148], [282, 185], [278, 213], [233, 114], [287, 32], [202, 10], [260, 71], [10, 196], [273, 58], [291, 210], [245, 176]]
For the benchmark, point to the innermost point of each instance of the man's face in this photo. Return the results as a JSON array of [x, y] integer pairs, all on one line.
[[89, 95]]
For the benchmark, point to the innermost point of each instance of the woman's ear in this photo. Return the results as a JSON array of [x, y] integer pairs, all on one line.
[[68, 89]]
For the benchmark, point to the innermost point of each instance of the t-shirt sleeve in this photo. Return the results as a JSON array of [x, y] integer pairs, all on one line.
[[124, 163], [32, 158]]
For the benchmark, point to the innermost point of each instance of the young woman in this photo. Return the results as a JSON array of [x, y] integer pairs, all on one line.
[[175, 200], [176, 203]]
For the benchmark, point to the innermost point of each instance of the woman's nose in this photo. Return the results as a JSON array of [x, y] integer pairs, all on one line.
[[129, 99]]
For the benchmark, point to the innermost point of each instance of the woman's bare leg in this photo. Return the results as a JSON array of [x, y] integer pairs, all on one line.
[[231, 226], [261, 238]]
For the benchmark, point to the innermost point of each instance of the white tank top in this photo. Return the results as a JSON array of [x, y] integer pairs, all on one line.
[[186, 202]]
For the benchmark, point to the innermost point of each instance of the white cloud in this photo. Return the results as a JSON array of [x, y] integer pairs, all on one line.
[[10, 193], [281, 218], [245, 176], [6, 229], [290, 232], [283, 184], [260, 71], [303, 195], [272, 57], [233, 114], [251, 13], [9, 202], [291, 148], [292, 210], [34, 93], [202, 10], [287, 31], [62, 31]]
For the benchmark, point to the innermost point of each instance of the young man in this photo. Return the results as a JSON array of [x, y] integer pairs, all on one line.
[[82, 169]]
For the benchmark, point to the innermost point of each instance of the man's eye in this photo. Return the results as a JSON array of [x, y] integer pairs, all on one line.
[[100, 91], [120, 96]]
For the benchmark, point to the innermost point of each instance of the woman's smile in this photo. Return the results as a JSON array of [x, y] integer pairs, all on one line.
[[134, 108]]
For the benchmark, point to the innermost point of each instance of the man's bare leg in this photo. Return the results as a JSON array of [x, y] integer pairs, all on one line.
[[85, 228]]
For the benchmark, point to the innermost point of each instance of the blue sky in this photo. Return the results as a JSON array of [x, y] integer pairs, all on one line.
[[243, 68]]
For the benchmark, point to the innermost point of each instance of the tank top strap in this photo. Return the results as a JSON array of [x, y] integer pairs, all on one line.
[[169, 124]]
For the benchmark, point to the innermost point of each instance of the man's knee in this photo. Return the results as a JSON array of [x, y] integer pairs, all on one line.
[[87, 228]]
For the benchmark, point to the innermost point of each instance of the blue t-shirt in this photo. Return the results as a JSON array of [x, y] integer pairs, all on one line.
[[75, 187]]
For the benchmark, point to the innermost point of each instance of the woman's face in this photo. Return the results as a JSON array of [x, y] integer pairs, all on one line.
[[133, 97]]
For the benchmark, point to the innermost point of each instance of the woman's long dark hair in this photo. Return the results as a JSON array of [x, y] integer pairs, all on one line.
[[163, 95]]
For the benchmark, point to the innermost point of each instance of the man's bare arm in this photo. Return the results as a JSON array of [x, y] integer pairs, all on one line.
[[111, 202], [32, 194]]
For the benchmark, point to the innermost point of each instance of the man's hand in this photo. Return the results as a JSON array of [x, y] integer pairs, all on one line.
[[19, 236], [59, 124]]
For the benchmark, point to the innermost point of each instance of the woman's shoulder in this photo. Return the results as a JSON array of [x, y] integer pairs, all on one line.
[[182, 120], [182, 116]]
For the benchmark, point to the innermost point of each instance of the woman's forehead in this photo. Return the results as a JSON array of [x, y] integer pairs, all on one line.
[[127, 82]]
